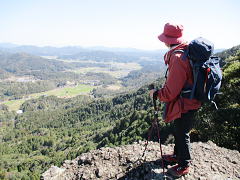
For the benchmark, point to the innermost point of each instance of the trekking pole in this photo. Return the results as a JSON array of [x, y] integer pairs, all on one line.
[[152, 125], [156, 125]]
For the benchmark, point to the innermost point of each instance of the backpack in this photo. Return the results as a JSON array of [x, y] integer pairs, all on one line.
[[207, 73]]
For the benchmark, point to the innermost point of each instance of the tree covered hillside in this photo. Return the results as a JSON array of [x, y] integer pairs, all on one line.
[[49, 132], [20, 64]]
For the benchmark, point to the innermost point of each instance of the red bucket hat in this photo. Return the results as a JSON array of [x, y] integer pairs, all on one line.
[[172, 34]]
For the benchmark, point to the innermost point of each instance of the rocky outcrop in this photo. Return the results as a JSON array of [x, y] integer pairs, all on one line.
[[210, 162]]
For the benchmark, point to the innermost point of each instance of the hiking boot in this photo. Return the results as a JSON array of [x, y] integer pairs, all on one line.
[[178, 171], [170, 158]]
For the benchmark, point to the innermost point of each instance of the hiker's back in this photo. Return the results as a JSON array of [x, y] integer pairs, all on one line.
[[186, 102], [179, 76]]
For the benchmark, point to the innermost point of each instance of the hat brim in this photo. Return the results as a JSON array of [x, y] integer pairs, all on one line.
[[170, 40]]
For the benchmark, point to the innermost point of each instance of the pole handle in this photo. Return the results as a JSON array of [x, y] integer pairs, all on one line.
[[151, 87]]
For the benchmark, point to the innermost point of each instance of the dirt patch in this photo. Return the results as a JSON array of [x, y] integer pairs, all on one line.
[[113, 87]]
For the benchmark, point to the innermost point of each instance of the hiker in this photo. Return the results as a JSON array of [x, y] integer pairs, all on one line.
[[178, 109]]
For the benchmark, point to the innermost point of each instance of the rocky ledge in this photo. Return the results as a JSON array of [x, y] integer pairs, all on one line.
[[210, 162]]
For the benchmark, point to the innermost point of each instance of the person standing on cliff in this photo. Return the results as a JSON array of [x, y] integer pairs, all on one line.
[[178, 109]]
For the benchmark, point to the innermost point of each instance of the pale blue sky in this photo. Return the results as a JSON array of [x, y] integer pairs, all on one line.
[[116, 23]]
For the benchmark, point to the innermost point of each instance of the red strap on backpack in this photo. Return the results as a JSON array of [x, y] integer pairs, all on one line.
[[205, 83]]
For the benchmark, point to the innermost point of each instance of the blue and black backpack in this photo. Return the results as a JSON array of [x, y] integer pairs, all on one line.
[[207, 73]]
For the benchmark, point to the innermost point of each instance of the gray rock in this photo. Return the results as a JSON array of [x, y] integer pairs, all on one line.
[[54, 173], [210, 162]]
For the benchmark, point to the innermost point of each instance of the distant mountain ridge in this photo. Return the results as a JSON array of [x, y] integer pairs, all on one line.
[[67, 50]]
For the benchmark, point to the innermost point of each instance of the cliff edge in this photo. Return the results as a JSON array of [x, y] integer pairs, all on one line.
[[210, 162]]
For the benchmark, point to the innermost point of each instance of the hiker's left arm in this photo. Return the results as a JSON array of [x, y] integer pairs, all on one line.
[[176, 79]]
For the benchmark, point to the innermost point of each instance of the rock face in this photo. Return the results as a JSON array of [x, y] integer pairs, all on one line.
[[210, 162]]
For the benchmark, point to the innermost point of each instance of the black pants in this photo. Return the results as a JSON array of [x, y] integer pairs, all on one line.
[[182, 127]]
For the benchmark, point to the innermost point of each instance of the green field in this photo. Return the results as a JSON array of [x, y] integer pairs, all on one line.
[[65, 92], [117, 70]]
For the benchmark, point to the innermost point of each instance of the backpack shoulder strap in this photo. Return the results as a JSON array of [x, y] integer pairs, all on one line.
[[183, 58]]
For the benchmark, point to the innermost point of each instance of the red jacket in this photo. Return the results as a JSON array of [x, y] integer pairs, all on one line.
[[179, 75]]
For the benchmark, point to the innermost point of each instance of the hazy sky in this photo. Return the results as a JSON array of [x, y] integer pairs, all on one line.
[[117, 23]]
